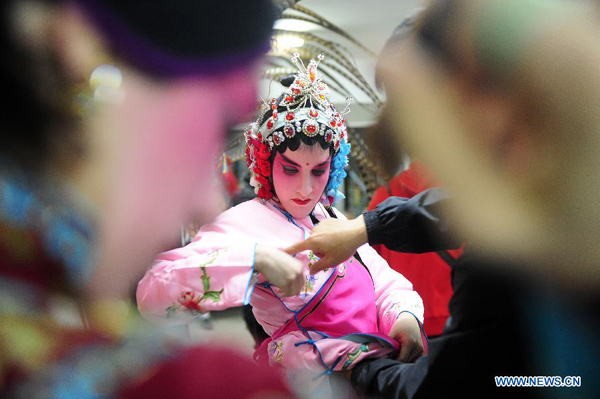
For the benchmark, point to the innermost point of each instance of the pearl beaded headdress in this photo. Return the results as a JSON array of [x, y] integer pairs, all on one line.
[[304, 108]]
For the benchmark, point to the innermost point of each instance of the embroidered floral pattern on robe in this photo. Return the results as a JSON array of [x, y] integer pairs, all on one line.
[[189, 301], [276, 351], [352, 356]]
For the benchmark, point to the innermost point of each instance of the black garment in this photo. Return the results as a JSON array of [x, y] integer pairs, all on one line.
[[411, 224], [184, 37], [482, 340], [258, 333], [489, 332]]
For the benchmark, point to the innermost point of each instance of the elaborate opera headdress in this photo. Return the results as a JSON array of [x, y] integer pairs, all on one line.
[[303, 109]]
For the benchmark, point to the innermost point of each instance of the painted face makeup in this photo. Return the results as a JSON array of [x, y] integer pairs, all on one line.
[[299, 178]]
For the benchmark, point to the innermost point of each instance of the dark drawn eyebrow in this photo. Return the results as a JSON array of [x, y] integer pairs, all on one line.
[[289, 160], [324, 163]]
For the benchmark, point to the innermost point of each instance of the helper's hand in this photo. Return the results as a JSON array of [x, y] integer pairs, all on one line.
[[280, 269], [334, 241], [407, 332]]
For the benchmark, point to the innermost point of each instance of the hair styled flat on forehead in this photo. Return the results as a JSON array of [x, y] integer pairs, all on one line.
[[310, 147], [324, 163], [301, 145]]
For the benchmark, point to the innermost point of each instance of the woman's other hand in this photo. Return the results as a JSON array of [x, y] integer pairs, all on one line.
[[280, 269], [407, 332]]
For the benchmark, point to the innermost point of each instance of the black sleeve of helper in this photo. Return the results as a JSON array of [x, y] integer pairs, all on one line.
[[412, 225]]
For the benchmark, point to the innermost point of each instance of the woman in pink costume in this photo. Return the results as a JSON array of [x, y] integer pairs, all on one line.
[[326, 322]]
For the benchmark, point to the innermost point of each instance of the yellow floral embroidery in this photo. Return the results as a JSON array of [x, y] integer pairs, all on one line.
[[276, 350]]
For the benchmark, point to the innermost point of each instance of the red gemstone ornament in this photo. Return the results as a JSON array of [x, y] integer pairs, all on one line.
[[290, 116], [313, 113], [277, 138], [295, 90], [310, 128], [259, 136], [275, 114], [289, 99], [289, 131], [332, 122], [270, 124]]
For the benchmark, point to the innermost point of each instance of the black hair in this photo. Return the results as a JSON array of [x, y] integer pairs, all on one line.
[[430, 26], [190, 28], [434, 28], [400, 34], [35, 119]]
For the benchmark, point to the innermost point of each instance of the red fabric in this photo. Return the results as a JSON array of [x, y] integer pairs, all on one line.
[[209, 372], [429, 273], [231, 184]]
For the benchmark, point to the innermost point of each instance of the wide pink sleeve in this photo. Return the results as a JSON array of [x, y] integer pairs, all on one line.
[[394, 293], [213, 272]]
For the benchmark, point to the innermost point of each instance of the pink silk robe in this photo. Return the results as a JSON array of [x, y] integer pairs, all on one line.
[[216, 271]]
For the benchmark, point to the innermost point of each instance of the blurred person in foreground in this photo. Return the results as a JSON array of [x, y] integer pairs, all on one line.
[[429, 272], [499, 99], [104, 102]]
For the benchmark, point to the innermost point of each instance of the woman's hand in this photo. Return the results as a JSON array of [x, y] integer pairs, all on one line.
[[334, 241], [280, 269], [407, 332]]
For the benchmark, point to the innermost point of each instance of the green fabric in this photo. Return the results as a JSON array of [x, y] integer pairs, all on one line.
[[506, 27]]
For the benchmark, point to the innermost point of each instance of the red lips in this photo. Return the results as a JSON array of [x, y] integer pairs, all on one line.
[[301, 202]]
